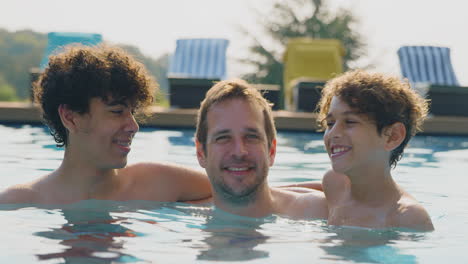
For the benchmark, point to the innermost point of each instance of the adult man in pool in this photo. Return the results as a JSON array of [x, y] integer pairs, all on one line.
[[88, 97], [236, 144]]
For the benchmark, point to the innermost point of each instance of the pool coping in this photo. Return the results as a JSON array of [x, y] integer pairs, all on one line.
[[20, 112]]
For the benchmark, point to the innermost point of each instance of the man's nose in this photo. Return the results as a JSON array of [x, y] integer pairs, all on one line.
[[239, 148]]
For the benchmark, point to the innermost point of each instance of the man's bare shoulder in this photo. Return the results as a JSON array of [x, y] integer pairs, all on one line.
[[411, 214], [311, 204], [20, 193]]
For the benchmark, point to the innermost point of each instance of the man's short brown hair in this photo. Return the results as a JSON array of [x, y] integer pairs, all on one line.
[[230, 89], [80, 73], [384, 99]]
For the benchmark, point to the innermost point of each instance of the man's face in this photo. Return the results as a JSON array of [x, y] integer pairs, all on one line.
[[104, 134], [237, 156]]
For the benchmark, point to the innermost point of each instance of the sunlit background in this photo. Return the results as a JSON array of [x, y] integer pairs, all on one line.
[[153, 26]]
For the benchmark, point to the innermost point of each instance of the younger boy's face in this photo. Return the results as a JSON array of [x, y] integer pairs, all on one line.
[[352, 141]]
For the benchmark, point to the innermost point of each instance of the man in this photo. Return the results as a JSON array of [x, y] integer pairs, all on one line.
[[368, 120], [88, 97], [236, 144]]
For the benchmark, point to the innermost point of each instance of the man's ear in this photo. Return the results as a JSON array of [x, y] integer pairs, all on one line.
[[68, 117], [272, 152], [200, 153], [395, 134]]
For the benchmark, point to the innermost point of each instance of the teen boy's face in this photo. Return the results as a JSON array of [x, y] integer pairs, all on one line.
[[352, 141], [237, 155], [105, 133]]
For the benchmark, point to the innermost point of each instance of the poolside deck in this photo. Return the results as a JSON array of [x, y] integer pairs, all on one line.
[[17, 112]]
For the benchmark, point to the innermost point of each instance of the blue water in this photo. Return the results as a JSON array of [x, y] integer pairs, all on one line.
[[433, 170]]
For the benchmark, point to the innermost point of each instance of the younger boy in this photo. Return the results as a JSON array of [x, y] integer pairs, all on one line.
[[368, 120]]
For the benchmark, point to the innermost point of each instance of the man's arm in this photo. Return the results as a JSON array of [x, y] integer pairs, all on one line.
[[303, 187]]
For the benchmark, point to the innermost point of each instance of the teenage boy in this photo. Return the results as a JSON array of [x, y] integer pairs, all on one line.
[[236, 144], [88, 97], [368, 120]]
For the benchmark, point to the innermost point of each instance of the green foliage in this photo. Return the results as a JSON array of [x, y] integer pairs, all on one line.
[[7, 92], [299, 18], [156, 67], [22, 50], [19, 51]]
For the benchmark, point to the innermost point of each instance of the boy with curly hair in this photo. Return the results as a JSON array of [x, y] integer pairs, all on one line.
[[368, 120], [89, 97]]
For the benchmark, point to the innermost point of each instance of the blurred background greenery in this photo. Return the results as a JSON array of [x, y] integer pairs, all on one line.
[[22, 50]]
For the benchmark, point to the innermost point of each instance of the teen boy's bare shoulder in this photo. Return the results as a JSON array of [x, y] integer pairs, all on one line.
[[20, 193], [167, 182], [410, 214]]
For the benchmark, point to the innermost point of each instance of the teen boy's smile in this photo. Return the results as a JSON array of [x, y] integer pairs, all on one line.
[[106, 132]]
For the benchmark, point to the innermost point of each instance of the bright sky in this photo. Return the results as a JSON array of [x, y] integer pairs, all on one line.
[[154, 25]]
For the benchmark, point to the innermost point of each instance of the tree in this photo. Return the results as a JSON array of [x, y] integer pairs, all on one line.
[[299, 18], [19, 52], [7, 92], [157, 67], [22, 50]]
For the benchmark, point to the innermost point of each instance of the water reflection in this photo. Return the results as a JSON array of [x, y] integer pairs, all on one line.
[[369, 245], [90, 235], [232, 238]]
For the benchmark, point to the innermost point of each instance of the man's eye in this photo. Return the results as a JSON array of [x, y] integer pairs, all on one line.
[[221, 139], [350, 122], [253, 137], [329, 123], [117, 111]]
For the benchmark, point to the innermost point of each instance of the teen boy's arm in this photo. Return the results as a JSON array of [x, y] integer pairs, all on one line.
[[168, 182]]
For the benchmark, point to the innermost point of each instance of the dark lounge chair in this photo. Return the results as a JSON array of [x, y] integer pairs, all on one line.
[[194, 67], [431, 67]]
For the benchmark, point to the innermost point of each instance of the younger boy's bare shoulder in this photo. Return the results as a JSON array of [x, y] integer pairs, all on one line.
[[335, 186], [311, 204], [18, 194], [411, 214]]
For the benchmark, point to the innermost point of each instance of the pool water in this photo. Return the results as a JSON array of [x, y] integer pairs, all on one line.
[[433, 170]]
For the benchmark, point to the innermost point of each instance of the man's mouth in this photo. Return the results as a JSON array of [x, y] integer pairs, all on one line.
[[237, 168]]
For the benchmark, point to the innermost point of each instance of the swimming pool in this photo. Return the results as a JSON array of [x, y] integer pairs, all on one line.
[[432, 170]]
